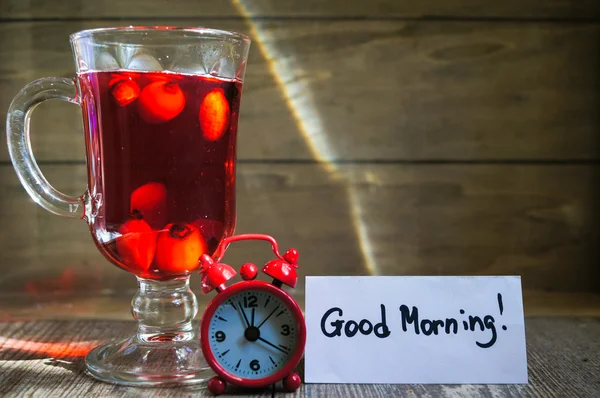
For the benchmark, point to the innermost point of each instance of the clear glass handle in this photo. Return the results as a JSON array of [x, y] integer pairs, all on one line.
[[19, 144]]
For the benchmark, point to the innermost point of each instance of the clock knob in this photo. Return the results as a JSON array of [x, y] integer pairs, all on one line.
[[248, 271], [283, 271], [214, 275]]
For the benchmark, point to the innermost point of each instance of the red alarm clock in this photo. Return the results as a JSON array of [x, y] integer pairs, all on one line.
[[252, 333]]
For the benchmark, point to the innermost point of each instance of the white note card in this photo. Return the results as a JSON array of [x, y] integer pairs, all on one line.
[[415, 330]]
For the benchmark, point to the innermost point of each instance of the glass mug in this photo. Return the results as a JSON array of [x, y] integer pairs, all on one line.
[[160, 108]]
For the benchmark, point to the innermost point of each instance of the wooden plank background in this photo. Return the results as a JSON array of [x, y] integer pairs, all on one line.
[[531, 9], [393, 138], [373, 90], [425, 219]]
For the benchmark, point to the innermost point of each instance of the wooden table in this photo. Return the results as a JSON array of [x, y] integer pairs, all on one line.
[[562, 354]]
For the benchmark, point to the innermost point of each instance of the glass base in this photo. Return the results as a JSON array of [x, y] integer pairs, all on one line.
[[166, 348], [132, 362]]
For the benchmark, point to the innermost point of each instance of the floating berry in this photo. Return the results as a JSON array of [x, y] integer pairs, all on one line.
[[151, 200], [122, 76], [145, 62], [105, 61], [163, 77], [160, 102], [214, 114], [178, 248], [137, 243], [125, 92]]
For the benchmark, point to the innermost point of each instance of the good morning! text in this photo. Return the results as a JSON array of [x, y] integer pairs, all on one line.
[[334, 325]]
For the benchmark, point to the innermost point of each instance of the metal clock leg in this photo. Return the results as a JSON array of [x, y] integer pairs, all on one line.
[[292, 382], [216, 385]]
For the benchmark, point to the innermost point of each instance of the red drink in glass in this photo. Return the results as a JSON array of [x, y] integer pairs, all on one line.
[[161, 161], [160, 108]]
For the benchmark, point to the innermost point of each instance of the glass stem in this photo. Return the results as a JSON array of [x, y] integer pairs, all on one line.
[[165, 310]]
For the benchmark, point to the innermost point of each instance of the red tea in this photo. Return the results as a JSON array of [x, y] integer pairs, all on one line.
[[162, 149]]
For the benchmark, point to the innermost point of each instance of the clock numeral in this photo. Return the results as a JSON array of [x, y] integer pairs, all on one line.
[[254, 365], [285, 330], [220, 336], [250, 302]]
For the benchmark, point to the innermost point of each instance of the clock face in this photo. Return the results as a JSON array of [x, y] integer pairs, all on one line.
[[252, 334]]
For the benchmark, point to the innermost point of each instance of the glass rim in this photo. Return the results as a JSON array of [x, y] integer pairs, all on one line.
[[202, 32]]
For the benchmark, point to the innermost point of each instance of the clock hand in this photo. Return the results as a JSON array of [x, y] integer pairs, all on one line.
[[238, 310], [268, 316], [272, 345], [244, 314], [252, 322]]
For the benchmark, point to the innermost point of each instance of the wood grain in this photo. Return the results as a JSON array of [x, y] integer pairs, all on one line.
[[563, 362], [562, 356], [533, 221], [26, 373], [583, 9], [109, 304], [371, 90]]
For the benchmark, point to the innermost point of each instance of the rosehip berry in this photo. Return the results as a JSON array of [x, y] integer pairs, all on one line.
[[151, 200], [214, 114], [137, 243], [160, 102], [122, 76], [145, 62], [105, 61], [125, 92], [178, 249]]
